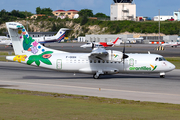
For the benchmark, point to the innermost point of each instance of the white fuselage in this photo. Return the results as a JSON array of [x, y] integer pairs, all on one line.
[[5, 40], [171, 44], [135, 63]]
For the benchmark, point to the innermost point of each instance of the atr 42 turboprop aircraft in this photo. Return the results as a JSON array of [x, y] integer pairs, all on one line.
[[98, 62], [172, 44], [57, 38], [102, 44]]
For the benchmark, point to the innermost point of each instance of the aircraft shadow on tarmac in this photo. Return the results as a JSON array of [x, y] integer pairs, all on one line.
[[103, 77], [41, 77]]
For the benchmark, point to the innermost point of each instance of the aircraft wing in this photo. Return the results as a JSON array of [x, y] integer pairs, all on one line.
[[98, 52]]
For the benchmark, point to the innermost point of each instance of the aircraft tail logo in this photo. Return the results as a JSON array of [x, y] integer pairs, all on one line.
[[61, 34], [116, 40], [26, 49]]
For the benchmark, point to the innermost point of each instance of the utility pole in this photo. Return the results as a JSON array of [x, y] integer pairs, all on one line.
[[159, 47], [26, 22], [159, 27]]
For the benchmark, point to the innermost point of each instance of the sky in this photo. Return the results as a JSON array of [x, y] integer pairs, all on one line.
[[146, 8]]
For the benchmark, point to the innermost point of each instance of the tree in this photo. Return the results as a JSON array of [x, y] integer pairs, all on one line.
[[100, 15], [38, 10], [46, 11], [27, 14], [15, 13], [86, 12], [53, 28], [3, 12], [84, 20]]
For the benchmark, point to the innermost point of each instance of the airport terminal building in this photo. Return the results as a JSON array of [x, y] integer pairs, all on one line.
[[107, 37]]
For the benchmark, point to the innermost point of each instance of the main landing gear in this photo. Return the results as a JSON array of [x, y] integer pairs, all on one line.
[[97, 74]]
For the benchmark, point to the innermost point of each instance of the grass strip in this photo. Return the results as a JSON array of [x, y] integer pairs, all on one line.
[[21, 104], [174, 60]]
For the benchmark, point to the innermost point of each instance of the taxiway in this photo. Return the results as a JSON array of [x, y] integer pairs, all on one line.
[[130, 48], [140, 87]]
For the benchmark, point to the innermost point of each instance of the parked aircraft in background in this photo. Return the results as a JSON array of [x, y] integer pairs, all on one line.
[[98, 62], [172, 44], [117, 42], [56, 38], [5, 41], [133, 40]]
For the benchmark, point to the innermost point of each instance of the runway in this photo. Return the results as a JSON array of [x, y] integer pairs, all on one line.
[[140, 87]]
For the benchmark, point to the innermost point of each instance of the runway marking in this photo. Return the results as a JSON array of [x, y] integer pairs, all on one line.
[[102, 89]]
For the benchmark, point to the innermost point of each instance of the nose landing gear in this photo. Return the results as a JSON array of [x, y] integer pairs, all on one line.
[[162, 75]]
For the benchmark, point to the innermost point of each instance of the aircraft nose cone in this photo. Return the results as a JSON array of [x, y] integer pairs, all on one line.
[[172, 66]]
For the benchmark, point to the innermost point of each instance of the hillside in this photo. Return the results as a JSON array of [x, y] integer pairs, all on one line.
[[101, 27]]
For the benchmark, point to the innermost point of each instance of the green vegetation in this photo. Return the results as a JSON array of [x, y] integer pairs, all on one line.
[[86, 12], [6, 16], [101, 15], [175, 61], [21, 105], [112, 27], [45, 11]]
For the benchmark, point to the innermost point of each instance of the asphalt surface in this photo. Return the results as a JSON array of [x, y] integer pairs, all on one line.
[[143, 87], [129, 48]]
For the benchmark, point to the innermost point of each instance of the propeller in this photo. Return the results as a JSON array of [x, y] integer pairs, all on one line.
[[124, 55]]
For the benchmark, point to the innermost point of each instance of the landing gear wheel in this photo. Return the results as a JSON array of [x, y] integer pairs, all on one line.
[[162, 76], [95, 76]]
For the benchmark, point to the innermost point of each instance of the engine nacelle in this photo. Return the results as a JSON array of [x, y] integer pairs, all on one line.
[[114, 55]]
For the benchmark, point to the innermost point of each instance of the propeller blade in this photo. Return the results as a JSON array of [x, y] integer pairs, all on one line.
[[124, 55], [92, 46]]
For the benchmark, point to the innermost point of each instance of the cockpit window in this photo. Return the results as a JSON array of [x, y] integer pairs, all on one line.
[[160, 59], [157, 59]]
